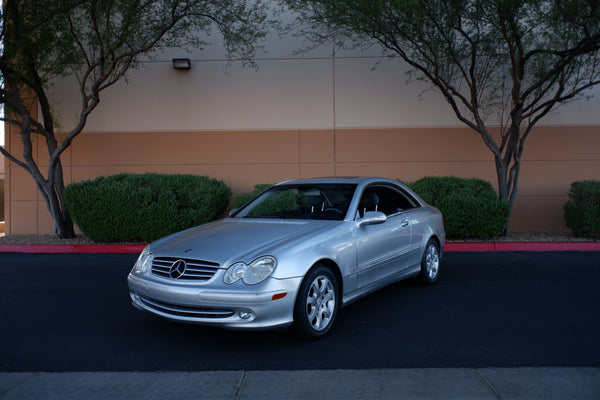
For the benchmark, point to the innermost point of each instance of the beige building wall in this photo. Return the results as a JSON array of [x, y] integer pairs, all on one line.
[[294, 117], [244, 158], [1, 194]]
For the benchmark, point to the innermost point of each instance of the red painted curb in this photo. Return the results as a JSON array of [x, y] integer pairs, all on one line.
[[523, 246], [72, 248], [483, 246], [450, 247]]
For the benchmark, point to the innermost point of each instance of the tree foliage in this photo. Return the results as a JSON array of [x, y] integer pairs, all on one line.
[[502, 65], [96, 42]]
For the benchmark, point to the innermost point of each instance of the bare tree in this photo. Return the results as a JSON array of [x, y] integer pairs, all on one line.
[[97, 42]]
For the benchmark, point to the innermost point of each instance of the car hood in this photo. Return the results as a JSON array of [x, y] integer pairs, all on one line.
[[232, 240]]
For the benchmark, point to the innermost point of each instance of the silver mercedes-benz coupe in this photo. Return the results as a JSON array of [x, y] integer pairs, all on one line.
[[292, 256]]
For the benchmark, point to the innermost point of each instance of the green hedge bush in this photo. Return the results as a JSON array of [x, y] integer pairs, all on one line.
[[582, 210], [146, 207], [471, 207]]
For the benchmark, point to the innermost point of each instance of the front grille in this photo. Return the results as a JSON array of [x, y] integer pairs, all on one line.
[[187, 311], [195, 270]]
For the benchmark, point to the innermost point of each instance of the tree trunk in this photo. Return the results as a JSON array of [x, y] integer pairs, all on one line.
[[503, 189], [63, 224], [502, 176], [52, 191], [508, 167]]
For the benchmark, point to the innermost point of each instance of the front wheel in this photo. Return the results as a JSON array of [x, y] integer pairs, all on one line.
[[430, 263], [317, 303]]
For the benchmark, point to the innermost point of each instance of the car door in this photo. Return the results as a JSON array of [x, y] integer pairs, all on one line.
[[383, 250]]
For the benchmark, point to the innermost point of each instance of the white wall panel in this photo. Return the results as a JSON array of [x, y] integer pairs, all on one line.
[[380, 97], [582, 111], [371, 92], [284, 93], [281, 94]]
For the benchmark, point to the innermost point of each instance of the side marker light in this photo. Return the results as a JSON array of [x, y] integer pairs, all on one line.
[[279, 296]]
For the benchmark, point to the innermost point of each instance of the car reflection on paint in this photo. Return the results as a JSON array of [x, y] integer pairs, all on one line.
[[292, 256]]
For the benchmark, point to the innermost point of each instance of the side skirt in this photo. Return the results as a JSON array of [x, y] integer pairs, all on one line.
[[401, 275]]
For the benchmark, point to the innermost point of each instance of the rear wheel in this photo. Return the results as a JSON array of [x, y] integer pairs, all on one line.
[[317, 303], [430, 263]]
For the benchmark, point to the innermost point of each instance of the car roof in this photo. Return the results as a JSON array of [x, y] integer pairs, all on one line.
[[349, 179]]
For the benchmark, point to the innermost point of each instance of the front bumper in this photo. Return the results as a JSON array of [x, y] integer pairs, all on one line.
[[238, 307]]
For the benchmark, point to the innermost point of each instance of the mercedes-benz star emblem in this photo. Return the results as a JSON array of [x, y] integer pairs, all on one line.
[[177, 269]]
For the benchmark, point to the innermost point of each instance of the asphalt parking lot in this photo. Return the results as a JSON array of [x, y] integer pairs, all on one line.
[[71, 312], [491, 315]]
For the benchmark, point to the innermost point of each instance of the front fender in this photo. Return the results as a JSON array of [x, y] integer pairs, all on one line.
[[337, 246]]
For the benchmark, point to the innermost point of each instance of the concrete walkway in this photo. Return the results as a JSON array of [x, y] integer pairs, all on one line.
[[380, 384]]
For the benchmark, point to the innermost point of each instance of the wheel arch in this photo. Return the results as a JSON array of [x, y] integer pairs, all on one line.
[[302, 324], [438, 242], [335, 269]]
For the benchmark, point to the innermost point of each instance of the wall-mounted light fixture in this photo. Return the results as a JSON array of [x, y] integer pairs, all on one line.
[[181, 63]]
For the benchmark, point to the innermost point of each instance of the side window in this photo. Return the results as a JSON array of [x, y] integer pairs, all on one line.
[[389, 200]]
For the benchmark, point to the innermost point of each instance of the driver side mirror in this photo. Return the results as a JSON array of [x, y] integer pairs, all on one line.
[[372, 218]]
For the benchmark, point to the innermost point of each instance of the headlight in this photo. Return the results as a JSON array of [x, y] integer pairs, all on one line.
[[259, 270], [234, 273], [256, 272], [143, 262]]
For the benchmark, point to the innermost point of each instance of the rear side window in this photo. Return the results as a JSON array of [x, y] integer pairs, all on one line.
[[389, 200]]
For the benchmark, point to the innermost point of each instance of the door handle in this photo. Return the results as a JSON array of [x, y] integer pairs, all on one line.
[[404, 223]]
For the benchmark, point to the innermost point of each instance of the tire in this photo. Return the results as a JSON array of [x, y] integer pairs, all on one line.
[[317, 303], [430, 263]]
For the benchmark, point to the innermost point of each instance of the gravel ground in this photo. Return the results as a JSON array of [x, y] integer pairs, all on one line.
[[511, 237], [42, 239], [532, 237]]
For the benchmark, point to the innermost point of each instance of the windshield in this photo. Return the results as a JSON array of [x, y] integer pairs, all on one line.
[[305, 201]]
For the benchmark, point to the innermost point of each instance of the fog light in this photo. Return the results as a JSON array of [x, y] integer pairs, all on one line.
[[246, 314]]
